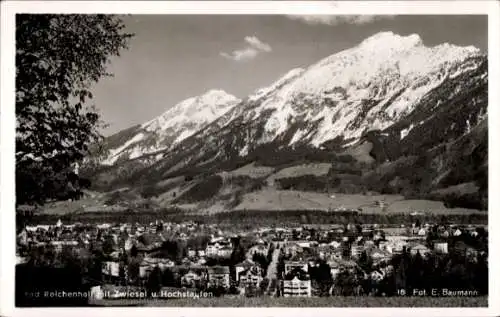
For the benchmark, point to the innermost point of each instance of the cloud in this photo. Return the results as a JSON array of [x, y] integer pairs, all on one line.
[[339, 19], [257, 44], [254, 47], [241, 55]]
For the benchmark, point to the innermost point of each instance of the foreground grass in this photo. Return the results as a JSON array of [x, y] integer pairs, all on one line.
[[308, 302]]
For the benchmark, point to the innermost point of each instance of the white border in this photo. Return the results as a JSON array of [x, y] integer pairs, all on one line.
[[7, 132]]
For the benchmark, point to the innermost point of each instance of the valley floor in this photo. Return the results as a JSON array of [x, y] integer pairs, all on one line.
[[280, 200], [270, 199]]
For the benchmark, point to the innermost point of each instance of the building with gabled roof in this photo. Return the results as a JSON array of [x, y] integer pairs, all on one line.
[[297, 284], [250, 277], [419, 249], [218, 276], [379, 255], [242, 266]]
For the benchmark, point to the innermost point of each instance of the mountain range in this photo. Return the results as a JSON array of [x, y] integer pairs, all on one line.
[[389, 115]]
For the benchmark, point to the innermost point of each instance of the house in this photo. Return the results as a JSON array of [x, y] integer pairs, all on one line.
[[378, 256], [356, 250], [286, 235], [465, 250], [224, 252], [243, 266], [218, 248], [457, 232], [441, 247], [297, 284], [191, 279], [162, 263], [293, 265], [191, 253], [335, 244], [385, 246], [339, 265], [378, 236], [327, 251], [111, 270], [292, 249], [419, 249], [212, 249], [128, 244], [422, 232], [59, 244], [399, 246], [251, 277], [261, 249], [218, 276]]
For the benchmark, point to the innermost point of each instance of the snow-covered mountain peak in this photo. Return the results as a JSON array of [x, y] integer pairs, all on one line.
[[391, 41], [369, 86], [216, 97], [174, 125], [204, 108]]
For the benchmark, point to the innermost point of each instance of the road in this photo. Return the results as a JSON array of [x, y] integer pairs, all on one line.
[[272, 269]]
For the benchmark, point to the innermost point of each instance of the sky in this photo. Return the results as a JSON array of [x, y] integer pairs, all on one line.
[[175, 57]]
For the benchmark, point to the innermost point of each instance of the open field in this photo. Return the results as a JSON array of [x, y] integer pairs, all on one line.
[[268, 201], [92, 202], [271, 199], [308, 302], [316, 169], [251, 170]]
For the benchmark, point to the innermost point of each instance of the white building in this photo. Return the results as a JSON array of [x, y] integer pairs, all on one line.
[[420, 249], [297, 288], [251, 277], [218, 249], [441, 247], [111, 268], [422, 232]]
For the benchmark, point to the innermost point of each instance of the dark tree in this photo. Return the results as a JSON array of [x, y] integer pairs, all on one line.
[[154, 283], [58, 58], [365, 262], [108, 245], [133, 270], [322, 275], [238, 253], [168, 278], [261, 260]]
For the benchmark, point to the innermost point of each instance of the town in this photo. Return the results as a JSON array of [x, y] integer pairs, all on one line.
[[165, 259]]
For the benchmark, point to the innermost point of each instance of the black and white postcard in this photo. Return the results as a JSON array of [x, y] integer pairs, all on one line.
[[179, 156]]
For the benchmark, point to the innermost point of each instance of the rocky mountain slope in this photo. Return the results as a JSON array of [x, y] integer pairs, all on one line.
[[401, 115]]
